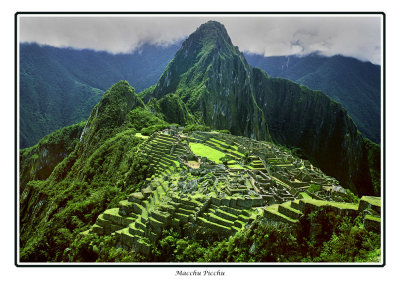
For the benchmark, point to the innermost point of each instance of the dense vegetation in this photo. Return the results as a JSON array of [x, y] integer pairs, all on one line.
[[352, 83], [74, 174], [99, 172], [37, 162], [319, 238], [105, 166], [60, 86], [172, 109], [74, 80]]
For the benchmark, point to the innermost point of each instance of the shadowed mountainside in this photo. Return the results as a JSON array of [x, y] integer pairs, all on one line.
[[348, 81]]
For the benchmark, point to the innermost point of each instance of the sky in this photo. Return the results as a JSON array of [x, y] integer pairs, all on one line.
[[356, 36]]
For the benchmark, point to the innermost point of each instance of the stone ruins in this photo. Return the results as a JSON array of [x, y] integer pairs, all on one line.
[[213, 184]]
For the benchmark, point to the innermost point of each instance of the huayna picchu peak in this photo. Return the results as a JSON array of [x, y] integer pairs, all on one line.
[[203, 49], [216, 162], [211, 31]]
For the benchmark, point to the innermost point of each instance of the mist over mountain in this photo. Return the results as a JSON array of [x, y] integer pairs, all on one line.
[[216, 161]]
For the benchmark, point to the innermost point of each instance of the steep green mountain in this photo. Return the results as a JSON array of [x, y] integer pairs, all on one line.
[[213, 78], [60, 86], [354, 84], [73, 174], [75, 79], [127, 185], [224, 92]]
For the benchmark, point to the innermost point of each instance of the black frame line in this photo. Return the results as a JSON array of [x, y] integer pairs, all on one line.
[[215, 265]]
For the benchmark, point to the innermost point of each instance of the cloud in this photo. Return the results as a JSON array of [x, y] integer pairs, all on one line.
[[270, 35], [358, 37], [113, 34]]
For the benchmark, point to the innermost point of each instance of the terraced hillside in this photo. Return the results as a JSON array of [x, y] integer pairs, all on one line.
[[209, 184]]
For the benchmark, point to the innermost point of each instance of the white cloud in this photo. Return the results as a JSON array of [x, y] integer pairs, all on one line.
[[356, 36]]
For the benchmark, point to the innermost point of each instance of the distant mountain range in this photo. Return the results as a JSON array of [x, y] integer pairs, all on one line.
[[354, 84], [60, 86], [73, 80]]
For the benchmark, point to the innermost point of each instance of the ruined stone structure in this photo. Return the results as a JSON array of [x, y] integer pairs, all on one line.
[[213, 184]]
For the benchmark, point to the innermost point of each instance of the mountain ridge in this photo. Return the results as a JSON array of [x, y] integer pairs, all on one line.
[[236, 107], [194, 68], [82, 92], [353, 83], [60, 86], [230, 97]]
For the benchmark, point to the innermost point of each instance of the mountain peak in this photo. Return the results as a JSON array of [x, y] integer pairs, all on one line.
[[208, 46], [209, 36], [110, 113], [211, 31], [212, 24]]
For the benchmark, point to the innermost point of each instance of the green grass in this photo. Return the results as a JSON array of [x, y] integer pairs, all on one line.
[[237, 152], [206, 151], [341, 205], [373, 218], [221, 219], [288, 205], [314, 188], [144, 213], [223, 212], [274, 209], [124, 202], [217, 145], [224, 146], [212, 224], [220, 142], [112, 211], [376, 201], [236, 166], [305, 195]]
